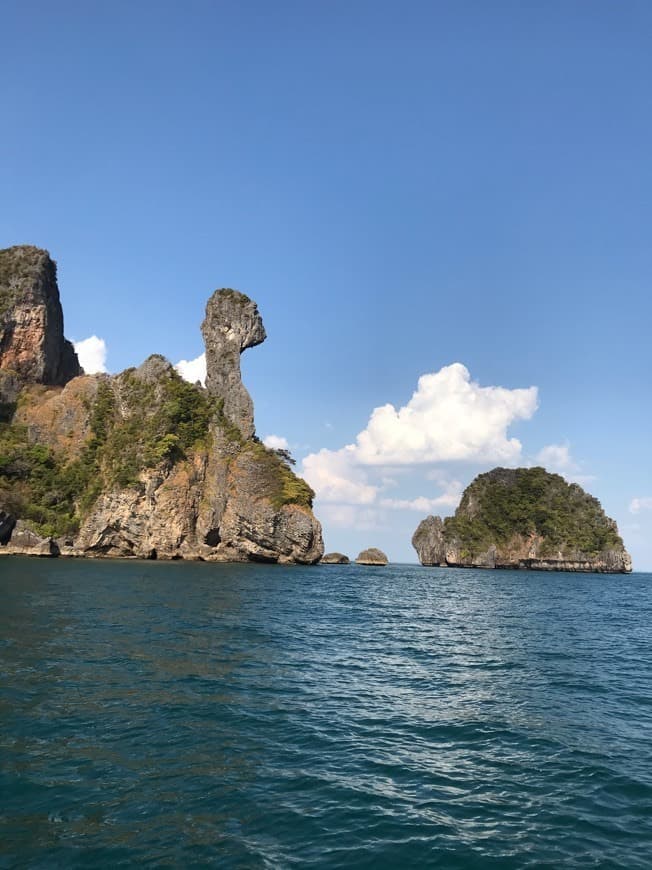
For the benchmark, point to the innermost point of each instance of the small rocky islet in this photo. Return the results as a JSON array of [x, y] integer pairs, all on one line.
[[371, 556], [334, 559], [524, 518], [143, 464]]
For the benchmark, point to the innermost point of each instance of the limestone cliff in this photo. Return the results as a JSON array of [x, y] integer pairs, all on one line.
[[524, 518], [232, 324], [32, 346], [143, 464], [429, 541]]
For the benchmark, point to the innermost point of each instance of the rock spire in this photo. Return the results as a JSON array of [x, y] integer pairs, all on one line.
[[32, 345], [232, 324]]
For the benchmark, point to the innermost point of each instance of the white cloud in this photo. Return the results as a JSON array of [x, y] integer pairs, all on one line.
[[449, 417], [276, 442], [556, 457], [640, 504], [438, 475], [193, 370], [335, 477], [348, 516], [91, 353], [450, 498]]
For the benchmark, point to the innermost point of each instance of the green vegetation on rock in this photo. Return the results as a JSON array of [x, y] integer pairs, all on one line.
[[141, 463], [36, 485], [277, 480], [18, 266], [135, 423], [160, 420], [524, 502], [140, 419]]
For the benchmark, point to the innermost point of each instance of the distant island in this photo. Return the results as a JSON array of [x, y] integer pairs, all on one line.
[[138, 464], [524, 518]]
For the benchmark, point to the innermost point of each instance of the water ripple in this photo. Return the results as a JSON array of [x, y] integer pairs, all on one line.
[[259, 717]]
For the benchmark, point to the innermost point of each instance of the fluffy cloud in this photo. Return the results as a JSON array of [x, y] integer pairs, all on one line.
[[640, 504], [193, 370], [556, 457], [347, 516], [335, 477], [450, 498], [91, 353], [449, 418], [276, 442]]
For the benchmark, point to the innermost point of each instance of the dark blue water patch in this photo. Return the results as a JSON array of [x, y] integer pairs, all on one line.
[[259, 716]]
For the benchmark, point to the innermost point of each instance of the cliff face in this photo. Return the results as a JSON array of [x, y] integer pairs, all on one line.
[[232, 324], [524, 518], [143, 464], [32, 346]]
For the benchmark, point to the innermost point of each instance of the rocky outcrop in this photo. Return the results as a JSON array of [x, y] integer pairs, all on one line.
[[334, 559], [524, 518], [25, 542], [429, 541], [372, 556], [232, 324], [145, 465], [32, 345]]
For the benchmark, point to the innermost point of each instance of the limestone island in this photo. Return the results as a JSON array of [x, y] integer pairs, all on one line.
[[334, 559], [524, 518], [139, 464], [372, 556]]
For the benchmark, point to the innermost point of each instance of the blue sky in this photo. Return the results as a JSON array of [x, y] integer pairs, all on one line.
[[400, 186]]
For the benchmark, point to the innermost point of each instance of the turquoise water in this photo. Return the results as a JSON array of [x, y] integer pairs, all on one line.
[[185, 714]]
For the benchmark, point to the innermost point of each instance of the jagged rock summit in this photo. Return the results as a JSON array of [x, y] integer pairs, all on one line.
[[139, 464], [32, 344], [232, 324], [524, 518]]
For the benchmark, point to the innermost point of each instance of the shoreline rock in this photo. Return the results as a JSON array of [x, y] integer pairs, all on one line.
[[25, 542], [372, 556]]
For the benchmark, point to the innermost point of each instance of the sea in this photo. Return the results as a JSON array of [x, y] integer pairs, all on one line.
[[182, 714]]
